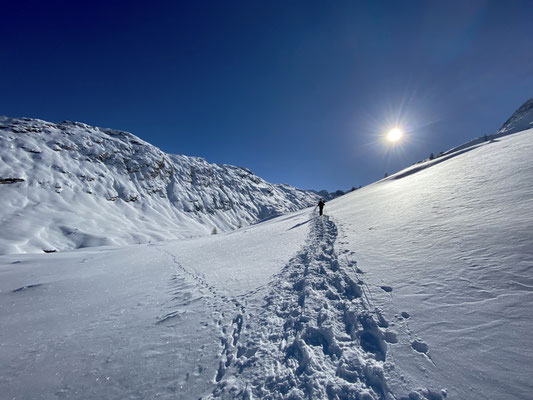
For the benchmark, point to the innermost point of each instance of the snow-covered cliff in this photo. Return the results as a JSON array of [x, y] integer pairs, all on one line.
[[71, 185], [521, 119]]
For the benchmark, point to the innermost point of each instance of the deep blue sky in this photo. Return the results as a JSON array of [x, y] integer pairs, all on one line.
[[297, 91]]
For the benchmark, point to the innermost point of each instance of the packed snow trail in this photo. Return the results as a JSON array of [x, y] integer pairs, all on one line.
[[317, 336]]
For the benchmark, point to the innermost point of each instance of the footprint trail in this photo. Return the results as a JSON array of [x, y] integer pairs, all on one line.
[[315, 336]]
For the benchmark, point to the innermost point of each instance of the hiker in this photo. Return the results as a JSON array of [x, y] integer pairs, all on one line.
[[321, 204]]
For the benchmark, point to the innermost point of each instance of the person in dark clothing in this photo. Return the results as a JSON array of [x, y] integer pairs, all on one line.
[[321, 204]]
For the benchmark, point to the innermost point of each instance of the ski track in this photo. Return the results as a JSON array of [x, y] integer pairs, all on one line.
[[318, 334]]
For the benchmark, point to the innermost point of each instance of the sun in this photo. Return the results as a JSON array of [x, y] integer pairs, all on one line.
[[394, 135]]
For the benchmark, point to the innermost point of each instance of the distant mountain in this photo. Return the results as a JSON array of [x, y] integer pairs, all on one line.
[[71, 185], [325, 195], [521, 119]]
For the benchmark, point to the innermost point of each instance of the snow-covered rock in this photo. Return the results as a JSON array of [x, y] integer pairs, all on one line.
[[71, 185], [521, 119]]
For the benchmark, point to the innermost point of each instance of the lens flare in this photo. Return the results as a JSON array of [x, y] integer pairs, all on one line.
[[394, 135]]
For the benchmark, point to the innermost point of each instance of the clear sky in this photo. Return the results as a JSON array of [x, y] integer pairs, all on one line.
[[299, 92]]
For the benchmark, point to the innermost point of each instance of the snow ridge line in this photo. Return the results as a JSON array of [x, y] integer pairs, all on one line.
[[315, 337]]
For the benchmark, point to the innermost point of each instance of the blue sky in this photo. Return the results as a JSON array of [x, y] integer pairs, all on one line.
[[300, 92]]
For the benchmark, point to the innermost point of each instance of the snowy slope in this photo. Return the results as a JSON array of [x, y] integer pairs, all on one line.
[[139, 322], [70, 185], [521, 119], [453, 247], [417, 287]]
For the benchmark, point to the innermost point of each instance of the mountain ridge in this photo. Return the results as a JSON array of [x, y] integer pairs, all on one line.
[[118, 173], [116, 188], [520, 120]]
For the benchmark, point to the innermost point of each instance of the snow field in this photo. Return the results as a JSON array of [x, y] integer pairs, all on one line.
[[91, 325], [140, 321]]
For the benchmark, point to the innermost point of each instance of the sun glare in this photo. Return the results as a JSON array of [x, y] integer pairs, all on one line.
[[394, 135]]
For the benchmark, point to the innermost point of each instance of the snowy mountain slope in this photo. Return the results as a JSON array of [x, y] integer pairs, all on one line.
[[448, 256], [417, 287], [70, 185], [440, 262], [521, 119]]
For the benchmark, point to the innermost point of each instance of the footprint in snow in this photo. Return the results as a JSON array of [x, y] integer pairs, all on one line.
[[20, 289], [420, 346], [391, 337]]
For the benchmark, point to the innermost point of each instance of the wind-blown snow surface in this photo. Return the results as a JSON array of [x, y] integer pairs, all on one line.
[[411, 288], [70, 185], [453, 247]]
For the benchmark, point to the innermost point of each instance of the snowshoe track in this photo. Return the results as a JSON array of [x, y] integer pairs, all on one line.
[[316, 336], [187, 288]]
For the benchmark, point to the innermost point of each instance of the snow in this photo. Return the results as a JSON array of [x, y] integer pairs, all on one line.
[[242, 260], [455, 243], [416, 287], [71, 185], [313, 338], [141, 321], [521, 119]]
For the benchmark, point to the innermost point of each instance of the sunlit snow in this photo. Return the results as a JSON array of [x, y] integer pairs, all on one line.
[[416, 287], [71, 185]]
